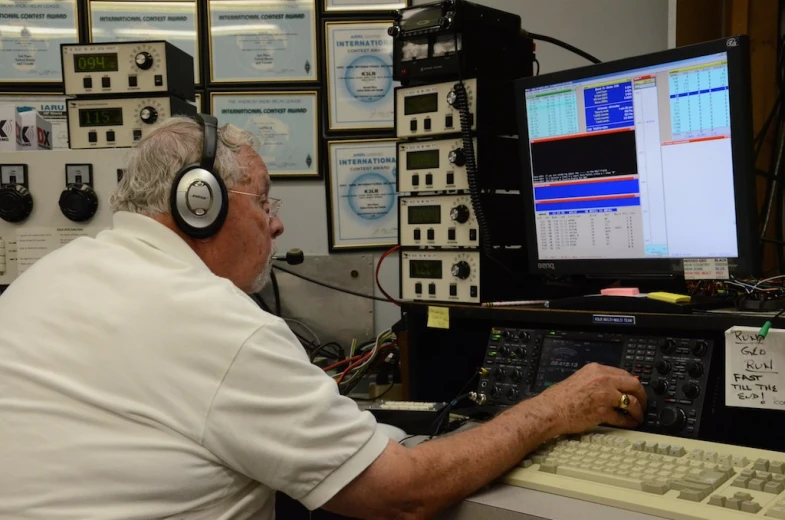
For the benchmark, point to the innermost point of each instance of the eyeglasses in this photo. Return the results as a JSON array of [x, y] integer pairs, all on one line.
[[269, 204]]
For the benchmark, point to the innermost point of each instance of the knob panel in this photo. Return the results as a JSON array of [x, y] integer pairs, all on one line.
[[16, 203]]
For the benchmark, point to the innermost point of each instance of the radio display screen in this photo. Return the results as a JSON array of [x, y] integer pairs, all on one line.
[[563, 357], [427, 159], [100, 62], [425, 269], [425, 214], [100, 117], [421, 104]]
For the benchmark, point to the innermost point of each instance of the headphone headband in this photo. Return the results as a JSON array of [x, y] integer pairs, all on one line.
[[210, 144]]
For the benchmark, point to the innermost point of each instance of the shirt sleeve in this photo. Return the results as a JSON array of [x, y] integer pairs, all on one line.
[[280, 420]]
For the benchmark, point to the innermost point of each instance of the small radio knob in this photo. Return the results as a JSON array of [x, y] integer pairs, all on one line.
[[673, 419], [496, 392], [512, 393], [699, 348], [78, 202], [694, 369], [505, 351], [691, 390], [143, 60], [393, 31], [16, 203], [516, 375], [663, 367], [500, 374], [460, 214], [669, 346], [457, 157], [452, 97], [461, 270], [149, 115]]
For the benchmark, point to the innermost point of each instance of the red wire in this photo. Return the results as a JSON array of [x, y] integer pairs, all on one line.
[[378, 283]]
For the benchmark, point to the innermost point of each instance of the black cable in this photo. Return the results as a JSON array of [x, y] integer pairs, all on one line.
[[340, 353], [538, 67], [334, 288], [276, 293], [462, 103], [563, 45]]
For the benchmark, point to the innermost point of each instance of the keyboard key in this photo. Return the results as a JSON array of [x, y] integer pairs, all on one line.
[[774, 487], [741, 482], [740, 495], [733, 503], [756, 484], [761, 464], [677, 451], [777, 466], [693, 495], [601, 478], [776, 512], [658, 486], [740, 462], [717, 500], [696, 455], [750, 507]]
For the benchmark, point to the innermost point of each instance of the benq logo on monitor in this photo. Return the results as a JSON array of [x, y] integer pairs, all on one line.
[[546, 265]]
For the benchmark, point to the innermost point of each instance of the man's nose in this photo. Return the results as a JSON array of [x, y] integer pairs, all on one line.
[[276, 226]]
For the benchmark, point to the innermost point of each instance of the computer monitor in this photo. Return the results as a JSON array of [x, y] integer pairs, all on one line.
[[634, 165]]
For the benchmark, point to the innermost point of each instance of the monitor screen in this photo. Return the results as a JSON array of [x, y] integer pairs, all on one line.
[[634, 160]]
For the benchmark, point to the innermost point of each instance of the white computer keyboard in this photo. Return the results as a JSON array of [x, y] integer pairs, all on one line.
[[670, 477]]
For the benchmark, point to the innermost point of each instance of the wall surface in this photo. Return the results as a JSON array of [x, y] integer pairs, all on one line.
[[609, 29]]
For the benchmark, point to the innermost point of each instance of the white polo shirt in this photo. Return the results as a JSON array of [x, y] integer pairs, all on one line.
[[135, 384]]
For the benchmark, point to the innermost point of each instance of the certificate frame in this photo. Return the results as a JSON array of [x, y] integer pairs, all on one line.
[[372, 104], [156, 33], [312, 148], [348, 6], [53, 47], [349, 228], [310, 66]]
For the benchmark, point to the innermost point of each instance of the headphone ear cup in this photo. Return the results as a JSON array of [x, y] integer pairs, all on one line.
[[199, 201]]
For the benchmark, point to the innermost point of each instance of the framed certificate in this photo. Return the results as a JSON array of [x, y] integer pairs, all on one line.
[[51, 107], [31, 32], [129, 20], [363, 5], [198, 103], [286, 123], [262, 41], [362, 199], [360, 86]]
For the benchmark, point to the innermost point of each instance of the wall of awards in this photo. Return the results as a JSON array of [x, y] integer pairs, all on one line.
[[312, 78]]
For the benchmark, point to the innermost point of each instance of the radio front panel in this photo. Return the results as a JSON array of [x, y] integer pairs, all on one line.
[[119, 122], [128, 68], [444, 276], [438, 221], [431, 110], [438, 165]]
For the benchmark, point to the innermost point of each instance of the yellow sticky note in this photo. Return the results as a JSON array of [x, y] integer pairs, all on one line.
[[439, 317]]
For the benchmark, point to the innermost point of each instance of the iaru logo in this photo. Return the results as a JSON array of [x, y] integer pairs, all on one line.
[[546, 265]]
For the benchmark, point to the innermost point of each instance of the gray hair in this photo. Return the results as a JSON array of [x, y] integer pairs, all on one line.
[[156, 159]]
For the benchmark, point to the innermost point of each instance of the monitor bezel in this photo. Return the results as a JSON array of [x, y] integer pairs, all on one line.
[[739, 93]]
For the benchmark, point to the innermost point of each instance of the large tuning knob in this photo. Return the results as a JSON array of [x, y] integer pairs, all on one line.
[[457, 157], [694, 369], [148, 115], [672, 418], [461, 270], [669, 346], [460, 214], [663, 366], [659, 386], [78, 202], [699, 348], [691, 390], [143, 60], [16, 203]]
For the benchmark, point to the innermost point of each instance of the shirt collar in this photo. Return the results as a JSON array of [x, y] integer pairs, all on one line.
[[157, 235]]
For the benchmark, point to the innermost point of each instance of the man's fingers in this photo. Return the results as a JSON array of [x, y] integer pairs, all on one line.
[[631, 385], [618, 419], [634, 410]]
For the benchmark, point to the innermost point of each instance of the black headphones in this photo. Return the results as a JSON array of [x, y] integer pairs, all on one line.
[[199, 201]]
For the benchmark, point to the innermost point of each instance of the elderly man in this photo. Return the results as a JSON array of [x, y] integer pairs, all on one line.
[[139, 381]]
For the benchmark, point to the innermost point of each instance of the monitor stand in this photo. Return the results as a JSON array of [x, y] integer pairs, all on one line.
[[631, 304]]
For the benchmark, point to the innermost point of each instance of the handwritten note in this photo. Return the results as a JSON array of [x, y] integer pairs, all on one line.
[[755, 368], [439, 317]]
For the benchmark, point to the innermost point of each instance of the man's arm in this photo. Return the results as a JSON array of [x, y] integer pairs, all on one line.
[[416, 483]]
